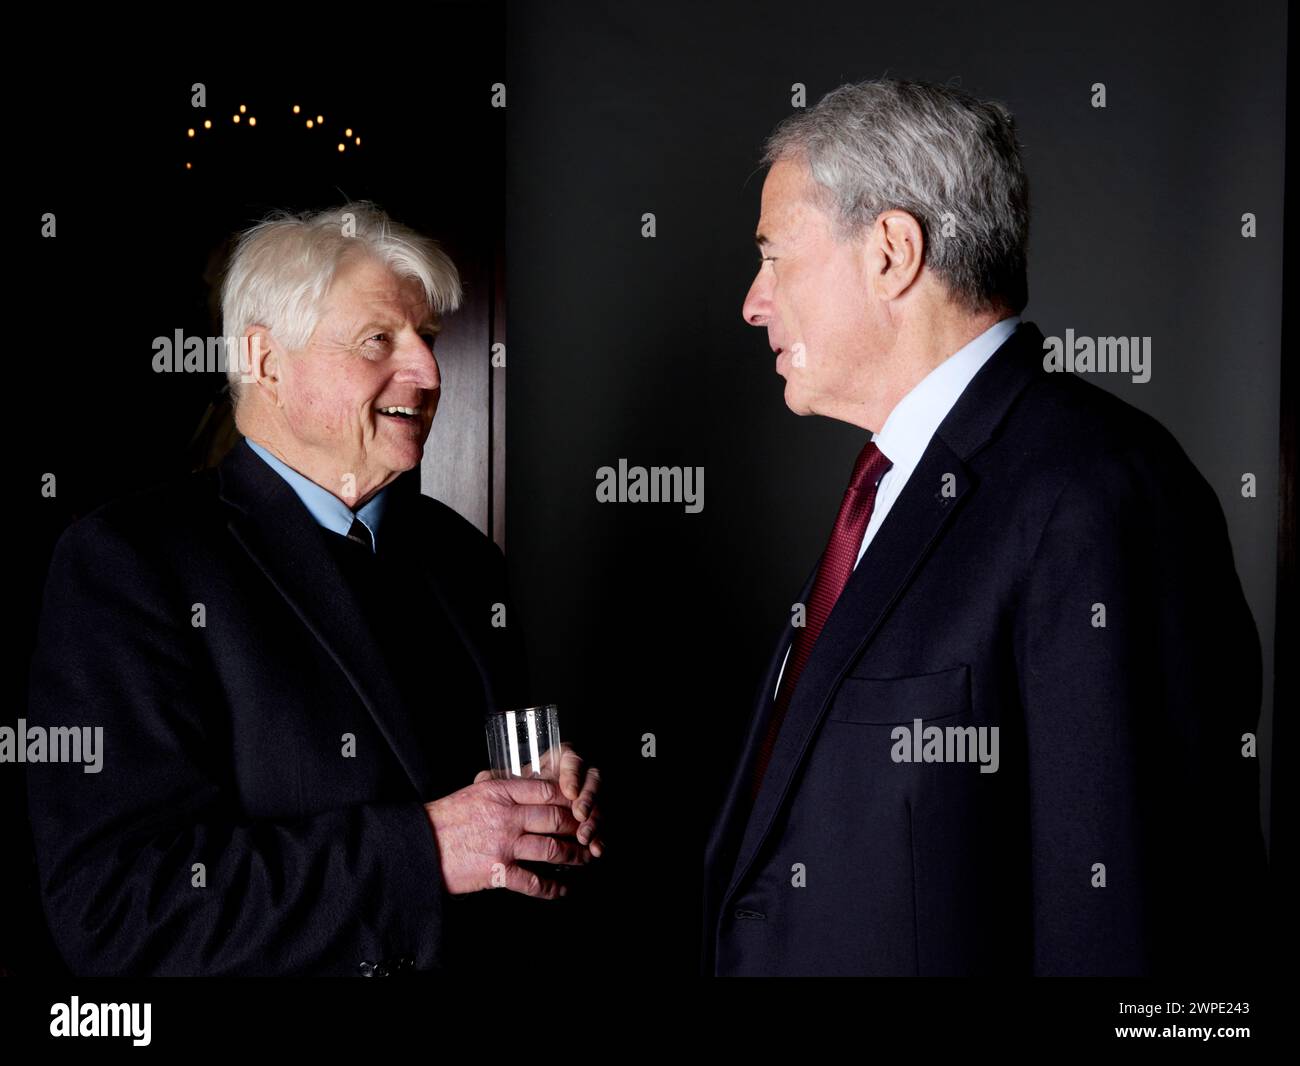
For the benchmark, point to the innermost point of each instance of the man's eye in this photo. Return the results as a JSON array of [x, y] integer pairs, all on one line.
[[375, 345]]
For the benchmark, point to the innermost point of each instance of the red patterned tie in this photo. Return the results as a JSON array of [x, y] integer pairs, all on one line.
[[832, 575]]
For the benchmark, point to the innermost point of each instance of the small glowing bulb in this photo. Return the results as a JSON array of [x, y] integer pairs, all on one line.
[[340, 147], [347, 133], [207, 123], [252, 121], [309, 123], [189, 166], [189, 132], [236, 118], [296, 109], [319, 120], [358, 142], [243, 109]]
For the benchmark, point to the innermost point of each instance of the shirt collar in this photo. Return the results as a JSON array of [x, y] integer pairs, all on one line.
[[910, 425], [328, 510]]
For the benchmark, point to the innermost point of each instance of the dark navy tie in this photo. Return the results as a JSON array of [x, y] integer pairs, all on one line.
[[361, 534]]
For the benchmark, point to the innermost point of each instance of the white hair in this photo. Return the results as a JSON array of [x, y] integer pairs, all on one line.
[[938, 153], [282, 268]]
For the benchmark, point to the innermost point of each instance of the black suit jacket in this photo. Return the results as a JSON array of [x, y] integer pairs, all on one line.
[[1120, 746], [224, 741]]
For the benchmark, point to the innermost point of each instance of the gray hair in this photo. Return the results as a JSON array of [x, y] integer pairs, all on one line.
[[937, 153], [282, 268]]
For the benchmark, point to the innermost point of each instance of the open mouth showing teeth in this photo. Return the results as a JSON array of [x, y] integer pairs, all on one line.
[[400, 412]]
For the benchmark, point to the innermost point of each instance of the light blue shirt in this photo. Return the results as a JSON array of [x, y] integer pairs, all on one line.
[[325, 507]]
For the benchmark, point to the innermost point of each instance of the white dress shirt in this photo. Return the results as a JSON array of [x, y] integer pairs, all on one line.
[[910, 425]]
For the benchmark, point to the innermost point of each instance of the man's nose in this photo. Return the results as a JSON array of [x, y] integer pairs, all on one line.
[[757, 308], [420, 365]]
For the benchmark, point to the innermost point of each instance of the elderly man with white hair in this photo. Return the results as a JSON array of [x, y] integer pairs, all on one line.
[[291, 657], [1006, 727]]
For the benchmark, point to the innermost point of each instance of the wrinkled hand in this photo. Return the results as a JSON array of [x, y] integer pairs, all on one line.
[[579, 782], [485, 829]]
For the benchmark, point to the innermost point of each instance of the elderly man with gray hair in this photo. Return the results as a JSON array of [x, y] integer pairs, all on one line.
[[1005, 728], [291, 656]]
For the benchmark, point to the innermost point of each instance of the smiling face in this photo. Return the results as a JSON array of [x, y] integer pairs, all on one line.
[[352, 409], [812, 295]]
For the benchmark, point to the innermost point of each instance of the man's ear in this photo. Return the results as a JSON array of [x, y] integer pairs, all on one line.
[[899, 250], [261, 362]]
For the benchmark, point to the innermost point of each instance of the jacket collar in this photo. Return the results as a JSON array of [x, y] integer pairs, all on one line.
[[328, 510]]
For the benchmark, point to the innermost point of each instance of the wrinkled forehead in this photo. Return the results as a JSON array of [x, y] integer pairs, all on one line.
[[365, 285]]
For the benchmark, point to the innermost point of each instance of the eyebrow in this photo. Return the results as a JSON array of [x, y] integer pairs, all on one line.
[[431, 324]]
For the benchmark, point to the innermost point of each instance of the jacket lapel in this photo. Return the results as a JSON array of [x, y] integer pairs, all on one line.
[[271, 523], [737, 795], [901, 544]]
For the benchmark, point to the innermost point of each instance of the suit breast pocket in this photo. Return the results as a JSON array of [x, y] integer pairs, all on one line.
[[902, 700]]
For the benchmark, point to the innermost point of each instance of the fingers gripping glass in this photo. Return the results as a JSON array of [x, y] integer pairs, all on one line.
[[526, 743]]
